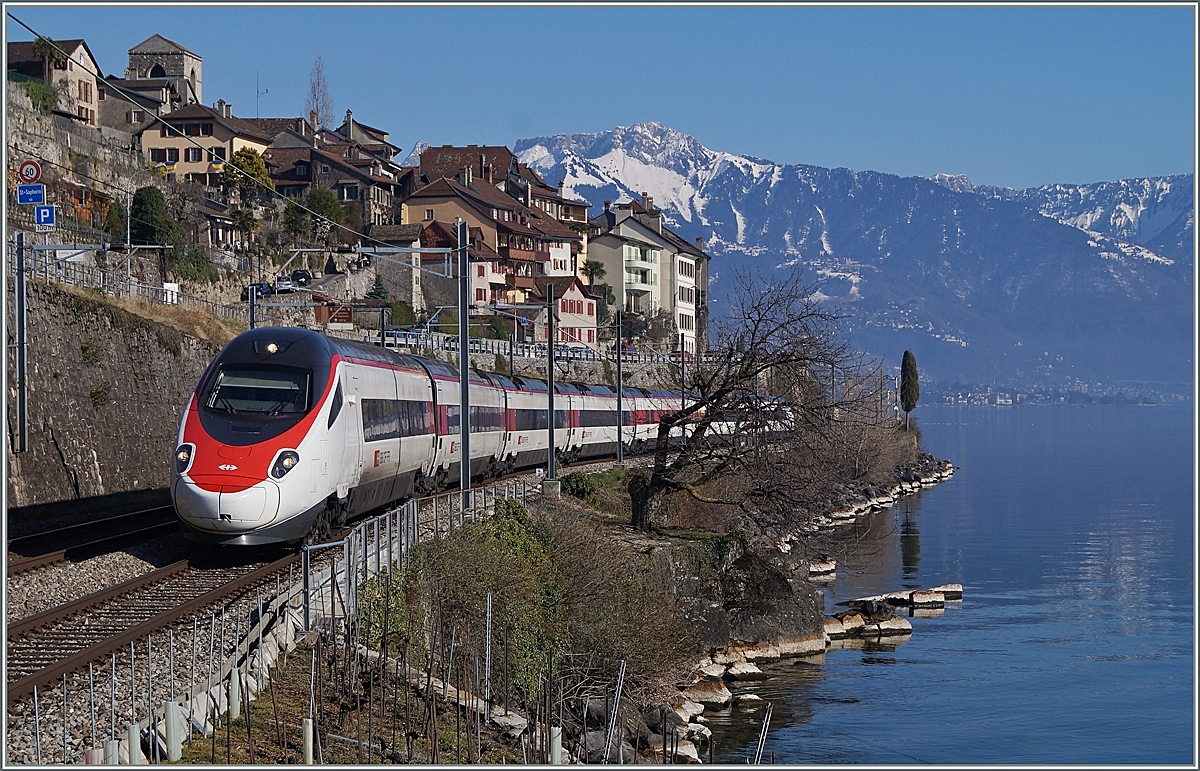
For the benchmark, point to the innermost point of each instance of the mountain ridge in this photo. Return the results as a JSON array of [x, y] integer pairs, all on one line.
[[971, 277]]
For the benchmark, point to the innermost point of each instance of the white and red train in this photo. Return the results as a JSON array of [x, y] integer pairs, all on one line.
[[290, 432]]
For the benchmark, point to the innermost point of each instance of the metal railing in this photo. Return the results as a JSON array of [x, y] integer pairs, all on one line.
[[417, 341], [112, 282]]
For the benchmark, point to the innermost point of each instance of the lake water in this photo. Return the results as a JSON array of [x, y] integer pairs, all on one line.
[[1072, 532]]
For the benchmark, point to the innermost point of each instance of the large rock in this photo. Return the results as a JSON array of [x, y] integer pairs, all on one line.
[[685, 708], [852, 623], [708, 693], [949, 591], [803, 646], [888, 627], [744, 671], [746, 600], [618, 752], [928, 598]]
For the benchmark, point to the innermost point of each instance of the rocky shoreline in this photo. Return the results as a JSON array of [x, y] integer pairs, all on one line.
[[773, 625]]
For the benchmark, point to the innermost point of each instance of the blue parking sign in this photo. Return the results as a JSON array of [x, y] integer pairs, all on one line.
[[28, 194], [43, 219]]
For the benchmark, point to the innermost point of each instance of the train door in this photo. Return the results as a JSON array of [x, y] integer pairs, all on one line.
[[351, 466]]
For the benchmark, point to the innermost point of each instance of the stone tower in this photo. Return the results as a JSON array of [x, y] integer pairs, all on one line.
[[158, 58]]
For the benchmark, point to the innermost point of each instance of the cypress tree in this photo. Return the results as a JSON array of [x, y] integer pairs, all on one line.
[[910, 389]]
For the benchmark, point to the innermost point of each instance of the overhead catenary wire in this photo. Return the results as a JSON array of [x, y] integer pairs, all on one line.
[[269, 188]]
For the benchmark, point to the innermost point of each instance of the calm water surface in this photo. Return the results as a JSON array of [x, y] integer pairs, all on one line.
[[1071, 530]]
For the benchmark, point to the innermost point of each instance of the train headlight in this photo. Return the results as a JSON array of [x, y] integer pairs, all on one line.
[[183, 457], [286, 461]]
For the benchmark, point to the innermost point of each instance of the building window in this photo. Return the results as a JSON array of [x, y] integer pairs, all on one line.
[[101, 93], [135, 116], [206, 129], [591, 309], [481, 294], [429, 214], [193, 154], [324, 168], [158, 155], [479, 271], [218, 154], [302, 169]]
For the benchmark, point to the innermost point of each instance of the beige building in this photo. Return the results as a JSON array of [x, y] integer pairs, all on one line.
[[75, 76], [197, 140], [652, 270]]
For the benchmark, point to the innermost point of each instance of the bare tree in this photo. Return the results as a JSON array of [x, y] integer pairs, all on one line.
[[778, 408], [318, 99]]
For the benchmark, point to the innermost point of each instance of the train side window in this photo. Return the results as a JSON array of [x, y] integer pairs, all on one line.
[[337, 405]]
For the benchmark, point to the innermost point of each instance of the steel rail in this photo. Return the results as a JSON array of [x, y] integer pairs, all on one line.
[[175, 610], [99, 546]]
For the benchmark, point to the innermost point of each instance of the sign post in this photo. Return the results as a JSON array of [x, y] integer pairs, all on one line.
[[43, 218], [29, 172], [31, 194]]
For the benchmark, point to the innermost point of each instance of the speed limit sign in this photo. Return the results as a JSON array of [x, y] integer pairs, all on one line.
[[30, 172]]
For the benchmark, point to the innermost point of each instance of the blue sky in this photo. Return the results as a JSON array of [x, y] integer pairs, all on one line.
[[1017, 96]]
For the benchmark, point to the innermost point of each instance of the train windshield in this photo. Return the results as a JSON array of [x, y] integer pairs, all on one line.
[[259, 391]]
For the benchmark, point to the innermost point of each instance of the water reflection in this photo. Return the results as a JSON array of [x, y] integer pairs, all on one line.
[[1072, 532], [910, 544]]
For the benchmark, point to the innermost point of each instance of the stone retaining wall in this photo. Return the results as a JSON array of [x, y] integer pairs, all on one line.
[[106, 391]]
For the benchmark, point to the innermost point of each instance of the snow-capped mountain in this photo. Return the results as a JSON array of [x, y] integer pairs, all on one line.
[[981, 283], [1152, 212]]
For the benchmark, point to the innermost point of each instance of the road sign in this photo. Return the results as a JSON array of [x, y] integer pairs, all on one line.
[[29, 172], [43, 219], [31, 194]]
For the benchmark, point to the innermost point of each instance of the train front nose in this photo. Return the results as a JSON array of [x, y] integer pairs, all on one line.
[[225, 505]]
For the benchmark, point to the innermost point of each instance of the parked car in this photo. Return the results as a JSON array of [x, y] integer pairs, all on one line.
[[284, 284], [260, 291], [301, 277]]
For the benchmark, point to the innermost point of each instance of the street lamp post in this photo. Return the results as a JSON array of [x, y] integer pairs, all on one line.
[[550, 476], [464, 364], [620, 398]]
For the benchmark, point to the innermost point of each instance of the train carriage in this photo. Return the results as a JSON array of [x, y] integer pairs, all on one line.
[[290, 432]]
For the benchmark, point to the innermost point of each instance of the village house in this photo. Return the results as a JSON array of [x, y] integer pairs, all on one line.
[[652, 269], [565, 247], [521, 236], [75, 76], [354, 161], [404, 284], [575, 322], [173, 139]]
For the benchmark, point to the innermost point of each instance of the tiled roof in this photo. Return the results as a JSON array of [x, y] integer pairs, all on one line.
[[143, 48], [405, 234], [237, 125], [443, 234], [531, 176], [562, 284], [273, 126], [447, 161], [22, 51]]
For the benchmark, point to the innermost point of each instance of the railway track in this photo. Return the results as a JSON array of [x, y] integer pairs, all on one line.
[[87, 539], [44, 647]]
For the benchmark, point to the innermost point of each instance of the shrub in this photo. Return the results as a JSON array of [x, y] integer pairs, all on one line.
[[44, 96], [580, 486]]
